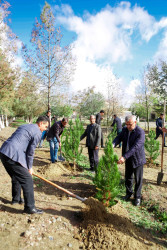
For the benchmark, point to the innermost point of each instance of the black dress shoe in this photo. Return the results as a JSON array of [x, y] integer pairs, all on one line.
[[127, 197], [32, 211], [21, 201], [137, 202], [18, 202], [102, 147]]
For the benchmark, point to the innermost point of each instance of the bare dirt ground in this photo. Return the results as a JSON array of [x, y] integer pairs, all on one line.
[[68, 223]]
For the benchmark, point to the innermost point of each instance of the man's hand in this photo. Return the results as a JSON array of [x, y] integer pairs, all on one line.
[[121, 160], [96, 147], [30, 171], [60, 144]]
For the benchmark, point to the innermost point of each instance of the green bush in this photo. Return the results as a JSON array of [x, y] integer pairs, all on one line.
[[71, 140], [152, 146], [107, 177]]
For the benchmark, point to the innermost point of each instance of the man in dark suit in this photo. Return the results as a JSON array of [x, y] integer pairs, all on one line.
[[159, 125], [17, 154], [93, 137], [133, 138], [99, 117], [118, 123]]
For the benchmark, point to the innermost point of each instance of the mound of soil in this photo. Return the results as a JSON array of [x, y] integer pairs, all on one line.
[[52, 169], [112, 229]]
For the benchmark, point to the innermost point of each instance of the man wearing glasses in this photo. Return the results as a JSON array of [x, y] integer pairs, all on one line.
[[133, 138]]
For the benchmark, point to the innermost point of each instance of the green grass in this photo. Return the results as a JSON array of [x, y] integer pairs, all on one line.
[[72, 177], [147, 216], [39, 185], [17, 123]]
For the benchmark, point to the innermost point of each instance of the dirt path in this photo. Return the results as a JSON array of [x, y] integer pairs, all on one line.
[[67, 223]]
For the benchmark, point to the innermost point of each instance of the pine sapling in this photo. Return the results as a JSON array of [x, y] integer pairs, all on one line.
[[107, 176], [71, 141], [152, 146]]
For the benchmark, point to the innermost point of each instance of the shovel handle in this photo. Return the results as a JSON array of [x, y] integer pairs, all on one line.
[[63, 189], [162, 152]]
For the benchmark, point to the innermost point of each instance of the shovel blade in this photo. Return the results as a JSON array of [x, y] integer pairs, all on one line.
[[159, 178], [61, 158]]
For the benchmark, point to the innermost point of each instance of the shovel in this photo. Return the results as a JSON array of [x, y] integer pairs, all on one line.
[[63, 189], [61, 158], [160, 174]]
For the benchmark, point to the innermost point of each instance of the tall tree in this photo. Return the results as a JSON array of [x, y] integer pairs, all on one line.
[[7, 84], [144, 98], [51, 62], [157, 76], [91, 103], [114, 95], [9, 71], [29, 100]]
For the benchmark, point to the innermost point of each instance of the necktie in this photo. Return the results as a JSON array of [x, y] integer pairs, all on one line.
[[127, 145]]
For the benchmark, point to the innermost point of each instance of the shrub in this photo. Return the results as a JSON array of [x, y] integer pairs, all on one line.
[[71, 141], [152, 146], [107, 177]]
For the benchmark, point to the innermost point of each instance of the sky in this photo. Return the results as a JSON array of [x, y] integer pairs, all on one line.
[[114, 40]]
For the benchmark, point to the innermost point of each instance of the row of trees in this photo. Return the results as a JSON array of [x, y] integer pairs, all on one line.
[[151, 96], [48, 70]]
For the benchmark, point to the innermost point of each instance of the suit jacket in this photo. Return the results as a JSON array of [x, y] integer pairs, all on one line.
[[95, 136], [159, 123], [21, 145], [135, 154], [98, 118], [118, 123]]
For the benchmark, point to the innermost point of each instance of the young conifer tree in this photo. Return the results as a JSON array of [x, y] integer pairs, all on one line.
[[71, 141], [152, 146], [107, 177]]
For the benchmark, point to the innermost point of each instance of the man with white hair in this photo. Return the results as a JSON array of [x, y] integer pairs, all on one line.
[[93, 139], [132, 137]]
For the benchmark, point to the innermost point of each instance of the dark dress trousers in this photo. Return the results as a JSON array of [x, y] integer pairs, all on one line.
[[133, 152], [98, 121]]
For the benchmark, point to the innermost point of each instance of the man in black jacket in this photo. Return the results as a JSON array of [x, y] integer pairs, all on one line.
[[159, 125], [53, 137], [133, 155], [93, 137], [118, 123], [99, 117]]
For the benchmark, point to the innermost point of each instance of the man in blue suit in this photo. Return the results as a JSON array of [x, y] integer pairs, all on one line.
[[17, 154], [133, 138]]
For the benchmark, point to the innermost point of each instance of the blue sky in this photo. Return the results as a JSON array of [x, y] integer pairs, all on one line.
[[112, 38]]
